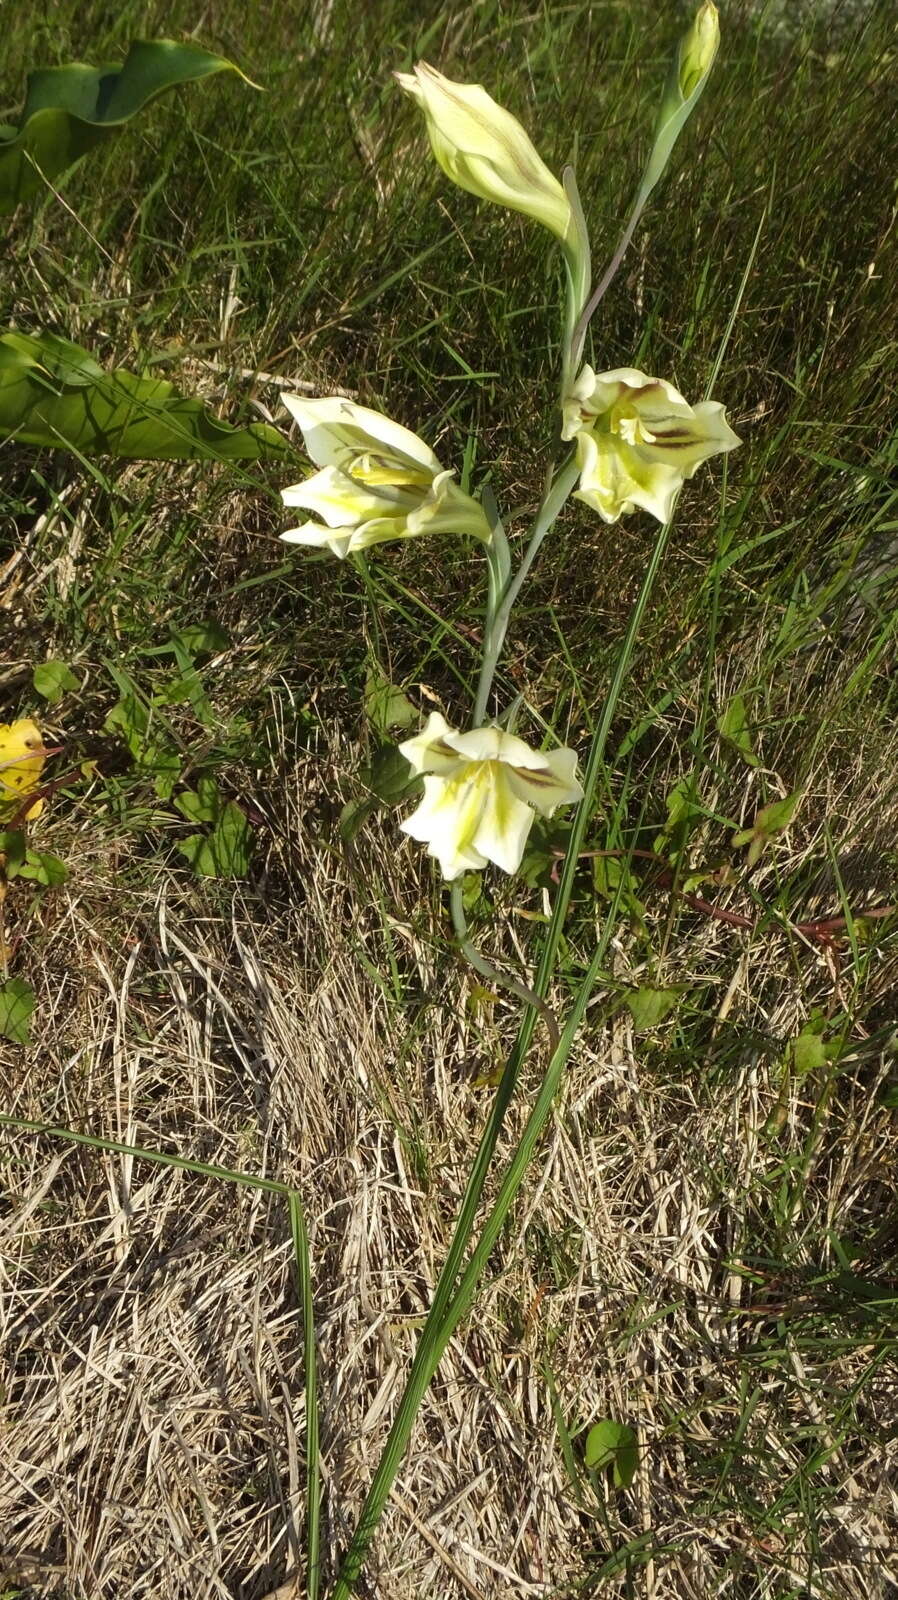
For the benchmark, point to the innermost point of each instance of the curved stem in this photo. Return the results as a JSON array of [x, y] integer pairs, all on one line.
[[493, 975], [445, 1304], [609, 274]]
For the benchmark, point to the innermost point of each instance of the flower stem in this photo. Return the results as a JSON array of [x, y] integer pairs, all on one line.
[[493, 975], [451, 1297], [551, 505]]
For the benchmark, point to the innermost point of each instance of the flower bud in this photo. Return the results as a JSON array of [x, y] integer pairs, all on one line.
[[689, 73], [484, 149], [697, 49]]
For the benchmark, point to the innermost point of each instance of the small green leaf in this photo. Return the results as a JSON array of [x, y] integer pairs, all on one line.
[[732, 726], [130, 718], [684, 810], [54, 394], [70, 109], [648, 1006], [42, 867], [16, 1007], [809, 1051], [776, 817], [385, 705], [226, 851], [182, 691], [202, 804], [53, 679], [771, 820], [615, 1445], [203, 638], [12, 847]]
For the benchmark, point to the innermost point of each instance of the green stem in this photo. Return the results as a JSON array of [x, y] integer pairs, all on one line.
[[550, 507], [609, 275], [492, 974], [313, 1469], [431, 1343]]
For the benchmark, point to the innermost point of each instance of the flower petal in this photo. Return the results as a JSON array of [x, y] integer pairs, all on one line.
[[550, 785], [447, 820], [333, 427], [683, 436], [429, 750], [312, 533], [484, 149], [339, 501], [447, 509], [615, 478], [505, 822]]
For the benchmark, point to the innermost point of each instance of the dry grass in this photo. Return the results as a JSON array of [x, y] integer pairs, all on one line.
[[706, 1247], [153, 1397]]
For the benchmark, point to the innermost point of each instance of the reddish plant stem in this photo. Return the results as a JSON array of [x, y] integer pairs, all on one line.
[[821, 928]]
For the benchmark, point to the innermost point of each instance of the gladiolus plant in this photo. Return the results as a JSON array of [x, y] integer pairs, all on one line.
[[632, 443]]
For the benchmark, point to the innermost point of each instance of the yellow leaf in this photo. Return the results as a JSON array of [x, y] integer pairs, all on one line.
[[21, 763]]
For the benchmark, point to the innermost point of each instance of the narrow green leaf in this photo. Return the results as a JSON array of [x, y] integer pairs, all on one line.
[[16, 1006], [70, 109], [54, 394], [732, 725]]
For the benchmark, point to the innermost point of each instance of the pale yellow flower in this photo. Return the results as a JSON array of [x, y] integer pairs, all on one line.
[[697, 50], [484, 149], [377, 481], [637, 440], [481, 792]]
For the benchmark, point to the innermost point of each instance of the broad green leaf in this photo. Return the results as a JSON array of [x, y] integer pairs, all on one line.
[[54, 394], [648, 1007], [389, 779], [203, 638], [68, 110], [42, 867], [202, 804], [226, 851], [732, 725], [613, 1444], [385, 705], [770, 821], [53, 679], [16, 1006]]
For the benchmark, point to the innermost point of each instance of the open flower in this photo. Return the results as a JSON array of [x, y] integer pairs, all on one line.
[[377, 481], [484, 149], [481, 790], [638, 440]]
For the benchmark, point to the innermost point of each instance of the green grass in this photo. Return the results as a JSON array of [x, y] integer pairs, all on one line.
[[737, 1300]]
